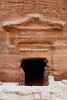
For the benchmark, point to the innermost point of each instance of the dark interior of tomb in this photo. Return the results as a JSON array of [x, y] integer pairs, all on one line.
[[34, 71]]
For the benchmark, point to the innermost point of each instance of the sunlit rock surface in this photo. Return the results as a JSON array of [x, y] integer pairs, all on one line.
[[55, 91]]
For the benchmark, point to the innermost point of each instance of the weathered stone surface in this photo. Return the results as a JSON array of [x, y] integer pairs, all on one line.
[[37, 97], [45, 95], [33, 29], [12, 91], [1, 83]]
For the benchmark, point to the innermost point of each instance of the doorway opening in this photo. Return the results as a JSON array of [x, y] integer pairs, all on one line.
[[34, 71]]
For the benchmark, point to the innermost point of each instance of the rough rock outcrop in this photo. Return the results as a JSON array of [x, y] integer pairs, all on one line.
[[33, 29]]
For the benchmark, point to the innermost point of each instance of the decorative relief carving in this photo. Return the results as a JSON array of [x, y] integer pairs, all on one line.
[[33, 22], [34, 46]]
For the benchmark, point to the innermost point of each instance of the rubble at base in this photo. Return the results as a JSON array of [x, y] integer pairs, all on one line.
[[57, 90]]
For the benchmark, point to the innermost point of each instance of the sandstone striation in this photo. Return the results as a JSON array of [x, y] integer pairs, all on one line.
[[33, 31]]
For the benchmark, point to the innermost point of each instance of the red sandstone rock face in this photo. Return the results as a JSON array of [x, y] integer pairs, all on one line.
[[42, 34]]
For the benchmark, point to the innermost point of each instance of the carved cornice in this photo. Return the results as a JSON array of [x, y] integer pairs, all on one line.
[[47, 49], [33, 22]]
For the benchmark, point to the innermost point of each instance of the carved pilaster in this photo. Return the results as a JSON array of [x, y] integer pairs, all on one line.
[[21, 76]]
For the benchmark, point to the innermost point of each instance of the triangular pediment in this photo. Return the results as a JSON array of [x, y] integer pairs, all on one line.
[[33, 22]]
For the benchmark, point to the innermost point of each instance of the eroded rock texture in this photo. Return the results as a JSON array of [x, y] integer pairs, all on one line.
[[33, 29]]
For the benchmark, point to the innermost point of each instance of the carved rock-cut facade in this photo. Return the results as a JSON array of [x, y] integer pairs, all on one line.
[[33, 36]]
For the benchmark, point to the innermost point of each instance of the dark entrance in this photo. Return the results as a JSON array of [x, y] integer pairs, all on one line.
[[34, 71]]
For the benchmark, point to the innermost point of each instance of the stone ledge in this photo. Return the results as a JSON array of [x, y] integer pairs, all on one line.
[[57, 90]]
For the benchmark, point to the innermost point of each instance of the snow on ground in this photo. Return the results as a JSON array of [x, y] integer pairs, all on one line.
[[56, 90]]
